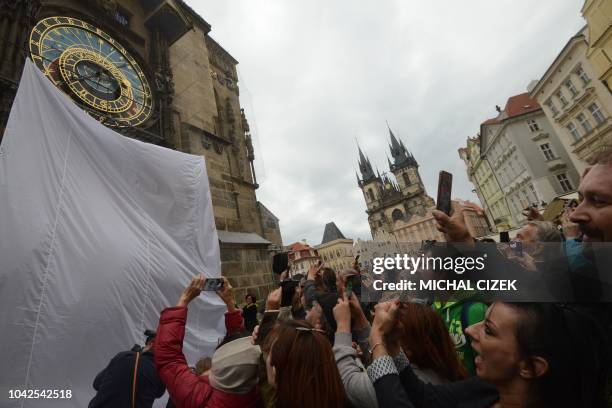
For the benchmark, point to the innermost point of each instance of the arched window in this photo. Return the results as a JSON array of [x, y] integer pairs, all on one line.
[[397, 214], [371, 194], [406, 179]]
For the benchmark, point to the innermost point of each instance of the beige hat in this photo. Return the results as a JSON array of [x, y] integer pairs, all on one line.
[[235, 367]]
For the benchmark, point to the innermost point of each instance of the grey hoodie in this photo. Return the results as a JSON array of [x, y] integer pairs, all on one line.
[[359, 389]]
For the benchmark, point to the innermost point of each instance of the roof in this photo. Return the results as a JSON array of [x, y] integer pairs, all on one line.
[[520, 104], [267, 210], [194, 15], [515, 106], [331, 233], [474, 206], [297, 246], [229, 237], [490, 121]]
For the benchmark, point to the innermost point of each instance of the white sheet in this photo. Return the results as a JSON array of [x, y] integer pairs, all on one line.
[[98, 233]]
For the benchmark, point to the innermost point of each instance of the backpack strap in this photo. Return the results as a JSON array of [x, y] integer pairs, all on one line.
[[134, 378]]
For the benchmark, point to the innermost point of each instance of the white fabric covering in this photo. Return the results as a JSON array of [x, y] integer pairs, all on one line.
[[98, 233]]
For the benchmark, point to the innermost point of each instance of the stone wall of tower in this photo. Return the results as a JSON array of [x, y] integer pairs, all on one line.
[[197, 109]]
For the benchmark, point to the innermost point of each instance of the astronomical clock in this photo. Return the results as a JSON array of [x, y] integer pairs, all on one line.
[[93, 68]]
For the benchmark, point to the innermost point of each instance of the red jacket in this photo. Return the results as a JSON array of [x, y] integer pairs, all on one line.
[[186, 389]]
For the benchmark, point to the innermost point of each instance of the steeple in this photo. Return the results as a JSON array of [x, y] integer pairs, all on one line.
[[365, 167], [401, 156], [331, 233]]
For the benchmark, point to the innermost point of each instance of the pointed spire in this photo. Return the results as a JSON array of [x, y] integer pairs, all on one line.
[[401, 156], [394, 143], [362, 158], [365, 167], [389, 161]]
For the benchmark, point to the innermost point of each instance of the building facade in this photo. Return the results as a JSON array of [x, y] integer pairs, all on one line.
[[526, 156], [598, 14], [475, 219], [150, 70], [301, 257], [486, 185], [576, 102], [417, 229], [335, 250], [396, 202]]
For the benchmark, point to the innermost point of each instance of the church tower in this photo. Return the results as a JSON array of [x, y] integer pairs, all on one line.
[[394, 199]]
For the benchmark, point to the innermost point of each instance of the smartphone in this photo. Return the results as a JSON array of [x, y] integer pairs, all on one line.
[[213, 284], [349, 289], [517, 247], [504, 236], [288, 291], [445, 184], [280, 262]]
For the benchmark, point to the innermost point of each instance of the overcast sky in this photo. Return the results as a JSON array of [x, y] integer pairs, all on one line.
[[316, 75]]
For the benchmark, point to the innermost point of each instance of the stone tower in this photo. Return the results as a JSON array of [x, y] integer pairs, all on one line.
[[188, 96], [395, 197]]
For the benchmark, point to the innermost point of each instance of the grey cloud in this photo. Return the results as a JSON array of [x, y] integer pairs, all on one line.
[[316, 75]]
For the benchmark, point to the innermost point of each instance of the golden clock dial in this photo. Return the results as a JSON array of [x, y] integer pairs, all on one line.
[[93, 68]]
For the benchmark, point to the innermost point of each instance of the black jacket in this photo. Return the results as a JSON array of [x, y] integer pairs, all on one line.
[[249, 314], [114, 383], [408, 391]]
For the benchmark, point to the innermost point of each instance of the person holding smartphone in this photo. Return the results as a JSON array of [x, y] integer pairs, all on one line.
[[233, 376]]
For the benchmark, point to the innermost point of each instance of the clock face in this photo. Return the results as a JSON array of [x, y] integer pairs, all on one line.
[[94, 69]]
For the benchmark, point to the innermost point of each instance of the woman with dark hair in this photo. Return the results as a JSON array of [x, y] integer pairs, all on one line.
[[529, 355], [424, 338], [249, 312], [300, 365]]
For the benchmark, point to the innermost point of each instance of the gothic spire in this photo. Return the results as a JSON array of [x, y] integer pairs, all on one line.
[[399, 152], [365, 167]]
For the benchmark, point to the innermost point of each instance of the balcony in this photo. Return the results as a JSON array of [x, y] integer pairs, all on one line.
[[555, 164], [536, 136]]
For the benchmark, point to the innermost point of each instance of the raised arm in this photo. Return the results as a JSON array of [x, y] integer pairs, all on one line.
[[186, 389]]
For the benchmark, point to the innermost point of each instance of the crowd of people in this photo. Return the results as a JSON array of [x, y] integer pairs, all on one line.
[[317, 345]]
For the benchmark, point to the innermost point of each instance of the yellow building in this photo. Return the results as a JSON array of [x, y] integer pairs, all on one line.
[[487, 187], [335, 250], [598, 14]]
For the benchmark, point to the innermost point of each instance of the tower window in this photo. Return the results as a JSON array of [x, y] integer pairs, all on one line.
[[370, 194], [406, 178], [397, 214]]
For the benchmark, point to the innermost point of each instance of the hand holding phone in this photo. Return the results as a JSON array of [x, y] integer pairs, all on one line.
[[517, 247], [213, 284], [445, 185], [349, 289]]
